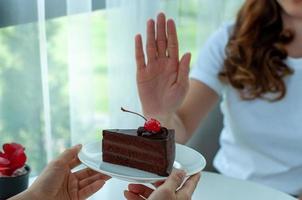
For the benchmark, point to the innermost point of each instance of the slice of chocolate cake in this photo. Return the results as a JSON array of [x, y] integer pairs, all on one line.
[[141, 149]]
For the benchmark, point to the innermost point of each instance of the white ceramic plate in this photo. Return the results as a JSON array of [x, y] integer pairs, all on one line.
[[186, 159]]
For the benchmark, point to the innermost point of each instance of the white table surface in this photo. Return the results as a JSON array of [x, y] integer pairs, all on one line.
[[211, 187]]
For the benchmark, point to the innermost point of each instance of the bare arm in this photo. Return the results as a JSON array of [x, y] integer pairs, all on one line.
[[164, 88], [197, 104], [23, 196]]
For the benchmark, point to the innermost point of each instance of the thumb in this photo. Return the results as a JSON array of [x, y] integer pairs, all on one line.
[[174, 180], [69, 154], [184, 68]]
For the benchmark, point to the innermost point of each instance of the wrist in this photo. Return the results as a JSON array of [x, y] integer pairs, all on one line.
[[27, 194], [164, 119]]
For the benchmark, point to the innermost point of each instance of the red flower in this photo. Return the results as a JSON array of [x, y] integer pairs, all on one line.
[[12, 158]]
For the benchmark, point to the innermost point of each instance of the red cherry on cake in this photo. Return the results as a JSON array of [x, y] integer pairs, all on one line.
[[152, 125]]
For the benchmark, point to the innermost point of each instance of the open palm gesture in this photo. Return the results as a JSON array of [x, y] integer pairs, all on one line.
[[163, 80]]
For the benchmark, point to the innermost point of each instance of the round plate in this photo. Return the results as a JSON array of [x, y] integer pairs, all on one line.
[[186, 159]]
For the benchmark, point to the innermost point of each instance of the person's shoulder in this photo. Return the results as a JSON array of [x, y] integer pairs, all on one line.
[[217, 42], [228, 27], [224, 32], [211, 57]]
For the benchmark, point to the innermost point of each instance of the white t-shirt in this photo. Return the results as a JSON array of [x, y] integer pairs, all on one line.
[[261, 141]]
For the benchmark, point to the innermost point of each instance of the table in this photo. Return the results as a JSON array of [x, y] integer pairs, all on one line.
[[212, 186]]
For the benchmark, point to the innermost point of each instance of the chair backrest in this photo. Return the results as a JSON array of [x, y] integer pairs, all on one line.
[[206, 138]]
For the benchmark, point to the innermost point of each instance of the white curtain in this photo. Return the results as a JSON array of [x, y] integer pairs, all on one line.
[[64, 79], [80, 70]]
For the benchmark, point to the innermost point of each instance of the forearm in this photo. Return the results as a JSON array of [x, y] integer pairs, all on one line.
[[173, 121], [27, 194], [186, 120], [181, 133]]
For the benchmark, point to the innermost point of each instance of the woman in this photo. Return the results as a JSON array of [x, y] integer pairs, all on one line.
[[255, 66]]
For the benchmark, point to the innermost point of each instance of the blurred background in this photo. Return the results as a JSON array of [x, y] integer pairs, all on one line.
[[66, 66]]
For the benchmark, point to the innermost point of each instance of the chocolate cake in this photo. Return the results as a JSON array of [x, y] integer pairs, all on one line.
[[140, 149]]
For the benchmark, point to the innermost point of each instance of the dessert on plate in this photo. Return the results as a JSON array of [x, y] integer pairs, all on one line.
[[150, 148]]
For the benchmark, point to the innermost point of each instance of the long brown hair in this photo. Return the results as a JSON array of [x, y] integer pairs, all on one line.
[[256, 51]]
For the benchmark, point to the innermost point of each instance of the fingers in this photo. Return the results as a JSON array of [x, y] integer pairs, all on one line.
[[151, 48], [131, 196], [89, 180], [139, 53], [74, 162], [85, 173], [174, 180], [70, 155], [90, 189], [184, 68], [161, 36], [172, 40], [73, 187], [142, 190], [165, 40], [189, 186]]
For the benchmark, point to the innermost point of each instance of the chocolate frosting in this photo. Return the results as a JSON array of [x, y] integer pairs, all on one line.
[[162, 134]]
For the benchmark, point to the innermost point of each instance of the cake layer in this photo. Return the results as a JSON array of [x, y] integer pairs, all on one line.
[[120, 160], [151, 153], [130, 140], [134, 152]]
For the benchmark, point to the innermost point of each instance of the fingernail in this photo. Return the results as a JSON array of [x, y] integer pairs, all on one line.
[[78, 146], [170, 20]]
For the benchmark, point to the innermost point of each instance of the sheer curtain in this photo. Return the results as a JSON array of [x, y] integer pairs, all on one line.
[[64, 79]]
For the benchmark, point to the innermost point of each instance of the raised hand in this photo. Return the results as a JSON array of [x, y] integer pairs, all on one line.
[[163, 80]]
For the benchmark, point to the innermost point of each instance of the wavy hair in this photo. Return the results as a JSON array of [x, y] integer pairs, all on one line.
[[256, 50]]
